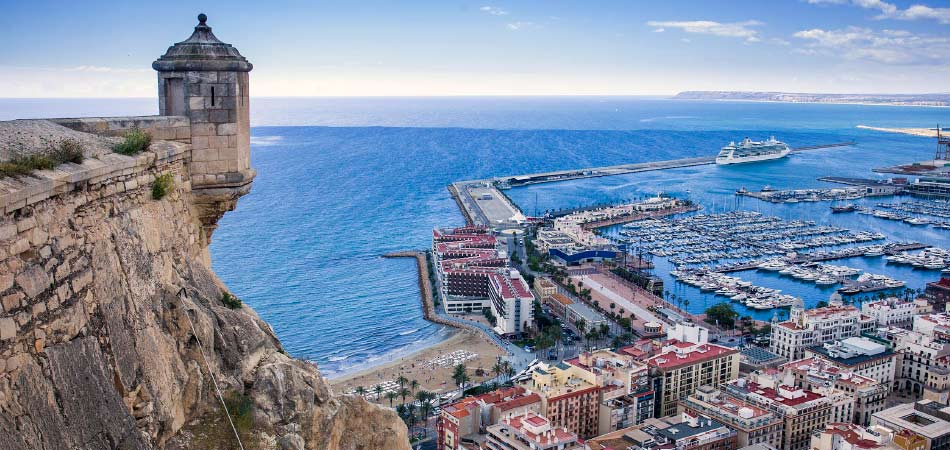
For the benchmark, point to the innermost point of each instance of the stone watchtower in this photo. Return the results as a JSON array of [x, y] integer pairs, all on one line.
[[206, 80]]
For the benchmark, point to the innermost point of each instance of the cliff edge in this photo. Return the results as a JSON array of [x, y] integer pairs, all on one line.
[[113, 323]]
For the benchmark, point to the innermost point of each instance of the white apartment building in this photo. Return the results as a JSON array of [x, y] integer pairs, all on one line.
[[936, 325], [861, 356], [920, 359], [890, 312], [808, 328]]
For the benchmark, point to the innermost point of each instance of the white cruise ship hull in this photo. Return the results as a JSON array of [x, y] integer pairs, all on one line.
[[755, 158]]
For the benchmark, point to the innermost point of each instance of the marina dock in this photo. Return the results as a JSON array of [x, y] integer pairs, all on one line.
[[891, 249]]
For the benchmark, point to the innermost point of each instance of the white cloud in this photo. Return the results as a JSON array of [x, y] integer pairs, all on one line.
[[891, 11], [736, 29], [941, 15], [493, 10], [659, 30], [887, 46], [518, 26]]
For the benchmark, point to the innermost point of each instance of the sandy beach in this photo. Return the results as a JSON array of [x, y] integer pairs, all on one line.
[[418, 366], [925, 132]]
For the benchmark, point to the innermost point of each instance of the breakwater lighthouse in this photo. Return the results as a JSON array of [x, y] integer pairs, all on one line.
[[206, 80]]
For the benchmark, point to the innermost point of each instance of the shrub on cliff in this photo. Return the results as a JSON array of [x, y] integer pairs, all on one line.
[[163, 184], [135, 142], [230, 300], [22, 164]]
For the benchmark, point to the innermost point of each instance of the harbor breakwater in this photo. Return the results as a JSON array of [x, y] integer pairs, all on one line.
[[428, 300]]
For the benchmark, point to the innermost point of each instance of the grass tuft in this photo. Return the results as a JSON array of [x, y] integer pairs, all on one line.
[[134, 143], [23, 164], [163, 184]]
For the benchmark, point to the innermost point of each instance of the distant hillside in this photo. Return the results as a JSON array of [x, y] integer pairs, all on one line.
[[872, 99]]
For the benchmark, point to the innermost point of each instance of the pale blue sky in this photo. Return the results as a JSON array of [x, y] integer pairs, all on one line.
[[315, 48]]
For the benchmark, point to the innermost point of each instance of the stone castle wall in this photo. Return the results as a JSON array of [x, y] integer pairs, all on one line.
[[167, 128], [106, 304]]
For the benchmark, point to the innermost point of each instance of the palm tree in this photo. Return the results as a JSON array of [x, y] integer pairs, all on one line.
[[460, 376], [509, 369], [425, 408], [617, 342], [413, 385], [361, 391], [402, 381], [591, 335], [685, 303], [410, 409], [498, 368], [401, 411], [581, 325], [378, 389], [391, 396], [404, 392]]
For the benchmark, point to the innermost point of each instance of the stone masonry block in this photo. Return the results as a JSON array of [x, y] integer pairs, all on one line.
[[8, 329], [202, 77], [11, 301], [203, 129], [227, 153], [7, 231], [219, 116], [196, 103], [227, 77], [227, 129], [217, 141], [198, 117], [183, 133], [199, 142], [33, 281], [6, 281], [207, 154]]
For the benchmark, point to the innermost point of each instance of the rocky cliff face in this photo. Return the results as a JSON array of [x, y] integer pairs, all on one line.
[[112, 324]]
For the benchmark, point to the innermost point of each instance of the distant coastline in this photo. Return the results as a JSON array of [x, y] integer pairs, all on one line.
[[924, 132], [931, 100]]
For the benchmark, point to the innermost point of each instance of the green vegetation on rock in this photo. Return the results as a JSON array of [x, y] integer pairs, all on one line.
[[163, 184], [135, 142], [23, 164], [230, 300]]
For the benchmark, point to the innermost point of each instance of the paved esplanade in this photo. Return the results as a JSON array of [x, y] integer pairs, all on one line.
[[628, 305]]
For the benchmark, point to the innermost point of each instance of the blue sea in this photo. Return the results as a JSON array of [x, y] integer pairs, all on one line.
[[342, 181]]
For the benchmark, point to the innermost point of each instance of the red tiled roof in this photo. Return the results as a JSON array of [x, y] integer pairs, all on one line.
[[702, 353], [849, 433], [773, 395], [519, 402], [556, 434]]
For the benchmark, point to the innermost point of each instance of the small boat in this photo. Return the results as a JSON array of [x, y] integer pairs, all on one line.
[[844, 208]]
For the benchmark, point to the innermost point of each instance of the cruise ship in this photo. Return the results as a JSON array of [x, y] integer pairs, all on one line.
[[750, 151]]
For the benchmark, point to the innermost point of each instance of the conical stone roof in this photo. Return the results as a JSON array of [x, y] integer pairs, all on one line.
[[202, 52]]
